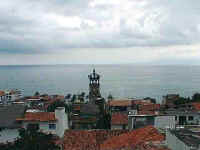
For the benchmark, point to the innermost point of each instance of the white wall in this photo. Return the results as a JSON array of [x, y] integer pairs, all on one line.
[[162, 122], [43, 126], [62, 123]]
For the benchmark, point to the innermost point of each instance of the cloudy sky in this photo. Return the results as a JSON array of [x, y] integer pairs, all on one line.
[[99, 32]]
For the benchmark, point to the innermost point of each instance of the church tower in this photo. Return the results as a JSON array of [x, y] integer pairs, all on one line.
[[94, 86]]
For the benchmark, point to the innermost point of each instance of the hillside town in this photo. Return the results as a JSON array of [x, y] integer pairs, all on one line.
[[90, 122]]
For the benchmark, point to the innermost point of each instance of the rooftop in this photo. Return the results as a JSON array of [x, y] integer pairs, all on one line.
[[133, 138], [120, 103], [149, 107], [87, 139], [119, 119], [196, 106], [38, 116], [2, 93]]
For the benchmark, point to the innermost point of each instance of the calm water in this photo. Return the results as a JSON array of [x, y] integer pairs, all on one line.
[[119, 80]]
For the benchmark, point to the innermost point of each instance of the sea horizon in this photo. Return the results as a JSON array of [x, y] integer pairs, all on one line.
[[121, 81]]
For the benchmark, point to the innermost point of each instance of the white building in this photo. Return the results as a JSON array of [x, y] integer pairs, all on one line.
[[47, 122], [10, 96], [136, 120]]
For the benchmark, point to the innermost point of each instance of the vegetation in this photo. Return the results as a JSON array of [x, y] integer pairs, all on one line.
[[73, 98], [110, 97], [31, 139], [37, 94], [183, 100], [153, 100], [196, 97], [53, 106], [68, 96]]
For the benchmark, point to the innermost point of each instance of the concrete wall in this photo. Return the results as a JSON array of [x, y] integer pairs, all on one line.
[[162, 122], [174, 143], [135, 122]]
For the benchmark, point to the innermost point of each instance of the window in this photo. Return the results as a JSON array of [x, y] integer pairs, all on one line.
[[190, 118], [52, 126], [176, 118]]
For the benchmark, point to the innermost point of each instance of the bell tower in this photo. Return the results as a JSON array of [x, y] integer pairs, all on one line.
[[94, 86]]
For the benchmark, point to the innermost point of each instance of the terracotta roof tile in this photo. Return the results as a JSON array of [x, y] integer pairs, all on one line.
[[148, 146], [196, 106], [146, 113], [149, 107], [119, 119], [140, 102], [2, 93], [87, 139], [120, 103], [132, 139], [38, 116]]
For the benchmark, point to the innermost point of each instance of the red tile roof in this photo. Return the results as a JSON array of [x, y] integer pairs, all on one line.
[[119, 119], [38, 116], [148, 146], [196, 106], [87, 139], [76, 107], [132, 139], [2, 93], [146, 113], [149, 107], [140, 102], [120, 103]]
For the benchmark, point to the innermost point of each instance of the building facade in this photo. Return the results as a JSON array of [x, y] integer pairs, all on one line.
[[47, 122]]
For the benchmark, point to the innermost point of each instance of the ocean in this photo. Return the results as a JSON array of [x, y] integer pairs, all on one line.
[[122, 81]]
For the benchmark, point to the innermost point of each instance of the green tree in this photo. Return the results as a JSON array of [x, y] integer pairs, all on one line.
[[53, 106], [110, 97], [37, 94], [73, 98], [68, 96], [196, 97], [32, 139], [182, 100]]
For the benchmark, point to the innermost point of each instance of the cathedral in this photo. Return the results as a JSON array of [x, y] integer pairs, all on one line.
[[94, 87]]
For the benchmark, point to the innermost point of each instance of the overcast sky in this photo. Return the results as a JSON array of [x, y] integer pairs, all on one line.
[[99, 32]]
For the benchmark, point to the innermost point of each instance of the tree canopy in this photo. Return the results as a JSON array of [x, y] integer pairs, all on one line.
[[32, 139], [53, 106]]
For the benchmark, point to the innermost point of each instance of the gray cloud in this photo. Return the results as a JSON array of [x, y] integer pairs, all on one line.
[[43, 26]]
